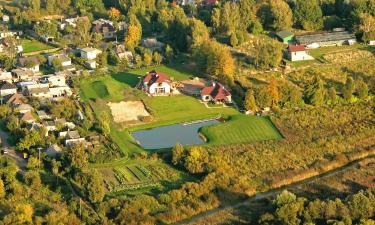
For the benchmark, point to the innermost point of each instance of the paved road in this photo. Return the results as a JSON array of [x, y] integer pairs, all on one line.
[[21, 162], [271, 193]]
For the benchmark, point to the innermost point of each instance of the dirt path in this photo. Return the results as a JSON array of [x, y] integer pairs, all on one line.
[[271, 193], [21, 162]]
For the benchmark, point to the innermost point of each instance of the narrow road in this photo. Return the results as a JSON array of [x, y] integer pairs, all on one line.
[[267, 194], [11, 152]]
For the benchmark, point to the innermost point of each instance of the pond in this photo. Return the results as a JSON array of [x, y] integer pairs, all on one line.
[[168, 136]]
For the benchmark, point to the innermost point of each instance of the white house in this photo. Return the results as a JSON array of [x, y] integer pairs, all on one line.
[[155, 83], [5, 76], [63, 59], [71, 138], [90, 53], [32, 63], [7, 89], [23, 74], [63, 91], [298, 53], [54, 80], [91, 64]]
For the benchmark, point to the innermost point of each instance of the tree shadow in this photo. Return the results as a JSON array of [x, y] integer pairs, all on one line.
[[128, 78]]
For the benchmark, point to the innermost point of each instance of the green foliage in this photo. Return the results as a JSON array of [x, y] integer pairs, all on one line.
[[348, 89], [268, 53], [250, 103], [308, 14], [315, 92]]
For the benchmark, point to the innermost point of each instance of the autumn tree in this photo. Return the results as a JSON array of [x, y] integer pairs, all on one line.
[[250, 103], [2, 189], [133, 35], [94, 187], [196, 160], [332, 95], [198, 33], [178, 153], [81, 33], [114, 14], [274, 92], [362, 89], [77, 157], [147, 58], [281, 15], [367, 26], [157, 58]]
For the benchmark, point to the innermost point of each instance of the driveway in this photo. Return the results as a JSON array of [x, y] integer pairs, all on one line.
[[21, 162]]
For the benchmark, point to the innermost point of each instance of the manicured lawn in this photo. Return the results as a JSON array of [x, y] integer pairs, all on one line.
[[242, 129], [34, 46]]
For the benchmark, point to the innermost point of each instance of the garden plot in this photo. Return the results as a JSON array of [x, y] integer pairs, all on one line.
[[127, 111]]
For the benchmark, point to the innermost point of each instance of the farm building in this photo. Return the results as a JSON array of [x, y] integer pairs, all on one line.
[[298, 53], [7, 89], [156, 83], [285, 36], [216, 93], [322, 39]]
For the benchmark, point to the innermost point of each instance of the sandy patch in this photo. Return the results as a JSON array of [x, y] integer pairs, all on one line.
[[127, 111]]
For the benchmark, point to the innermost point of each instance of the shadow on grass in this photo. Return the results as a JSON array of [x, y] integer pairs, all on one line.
[[128, 78]]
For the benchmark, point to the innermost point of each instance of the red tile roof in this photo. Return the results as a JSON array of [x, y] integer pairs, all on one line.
[[217, 91], [156, 77], [296, 48]]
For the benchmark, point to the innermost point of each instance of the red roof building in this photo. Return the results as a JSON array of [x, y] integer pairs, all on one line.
[[216, 93], [156, 83], [296, 48]]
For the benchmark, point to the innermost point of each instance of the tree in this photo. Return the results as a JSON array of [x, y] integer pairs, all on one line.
[[178, 153], [134, 33], [308, 14], [81, 33], [147, 58], [284, 198], [196, 159], [332, 96], [77, 157], [348, 89], [360, 206], [281, 15], [94, 187], [34, 5], [367, 27], [263, 98], [250, 103], [198, 33], [2, 189], [30, 139], [114, 14], [314, 92], [33, 163], [362, 89], [12, 123], [157, 58], [268, 53], [5, 111], [233, 40], [169, 53], [46, 29], [274, 92]]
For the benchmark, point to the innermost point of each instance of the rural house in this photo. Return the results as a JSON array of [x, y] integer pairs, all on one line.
[[216, 93], [63, 60], [32, 63], [298, 53], [71, 138], [23, 74], [5, 76], [7, 89], [322, 39], [105, 28], [155, 83], [284, 36], [90, 55], [27, 118]]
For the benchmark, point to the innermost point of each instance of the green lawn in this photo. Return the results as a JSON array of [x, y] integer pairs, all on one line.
[[34, 46], [242, 129]]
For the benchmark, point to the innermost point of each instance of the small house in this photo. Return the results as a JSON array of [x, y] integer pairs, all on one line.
[[156, 83], [298, 53], [64, 61], [285, 36], [53, 150], [53, 80], [90, 53], [23, 108], [105, 28], [43, 115], [5, 76], [27, 118], [14, 100], [152, 44], [23, 74], [32, 63], [71, 138], [322, 39], [122, 53], [216, 93], [7, 89]]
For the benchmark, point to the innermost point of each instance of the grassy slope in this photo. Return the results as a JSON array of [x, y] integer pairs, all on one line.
[[242, 129], [34, 46]]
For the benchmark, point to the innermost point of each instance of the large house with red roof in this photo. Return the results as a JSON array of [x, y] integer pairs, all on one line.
[[216, 93], [298, 53], [156, 83]]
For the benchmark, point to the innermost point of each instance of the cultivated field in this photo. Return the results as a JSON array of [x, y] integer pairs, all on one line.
[[127, 111]]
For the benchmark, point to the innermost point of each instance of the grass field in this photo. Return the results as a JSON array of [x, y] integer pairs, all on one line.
[[34, 46], [242, 129]]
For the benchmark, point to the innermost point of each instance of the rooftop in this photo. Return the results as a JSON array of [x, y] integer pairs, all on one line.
[[324, 37]]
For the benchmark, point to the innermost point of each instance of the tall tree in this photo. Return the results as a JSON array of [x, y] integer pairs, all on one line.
[[348, 89], [274, 92], [250, 103], [315, 92], [281, 15], [308, 14], [134, 34]]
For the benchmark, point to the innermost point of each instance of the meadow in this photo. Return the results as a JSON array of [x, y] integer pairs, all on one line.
[[30, 46]]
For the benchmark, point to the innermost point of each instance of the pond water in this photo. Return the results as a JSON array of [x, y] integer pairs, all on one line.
[[168, 136]]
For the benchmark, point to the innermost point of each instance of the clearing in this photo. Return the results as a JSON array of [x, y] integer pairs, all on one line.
[[127, 111]]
